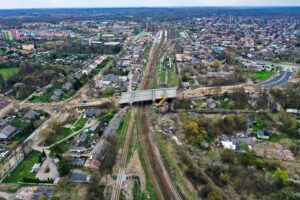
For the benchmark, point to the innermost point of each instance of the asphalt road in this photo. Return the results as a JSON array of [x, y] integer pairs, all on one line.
[[281, 79], [6, 195]]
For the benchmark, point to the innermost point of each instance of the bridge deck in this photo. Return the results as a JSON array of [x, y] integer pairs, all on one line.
[[147, 95]]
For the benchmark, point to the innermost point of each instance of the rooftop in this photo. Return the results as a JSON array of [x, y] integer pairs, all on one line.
[[3, 104]]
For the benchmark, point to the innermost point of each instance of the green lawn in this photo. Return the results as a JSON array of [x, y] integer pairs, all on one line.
[[80, 123], [281, 137], [162, 76], [46, 96], [23, 169], [123, 130], [18, 123], [172, 78], [263, 75], [8, 71], [225, 105], [61, 148], [63, 134], [135, 191], [259, 125], [109, 92]]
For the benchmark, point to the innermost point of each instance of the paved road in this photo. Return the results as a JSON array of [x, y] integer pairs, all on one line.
[[7, 196], [52, 174], [275, 79], [279, 80]]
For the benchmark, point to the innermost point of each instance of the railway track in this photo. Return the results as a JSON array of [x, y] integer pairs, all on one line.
[[122, 163], [123, 160], [162, 182], [160, 179]]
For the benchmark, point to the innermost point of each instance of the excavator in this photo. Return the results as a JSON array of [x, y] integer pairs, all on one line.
[[161, 102], [162, 105]]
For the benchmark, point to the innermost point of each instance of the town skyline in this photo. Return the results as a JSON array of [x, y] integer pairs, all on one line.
[[18, 4]]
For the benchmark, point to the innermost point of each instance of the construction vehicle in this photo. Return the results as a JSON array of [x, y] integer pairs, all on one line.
[[161, 102]]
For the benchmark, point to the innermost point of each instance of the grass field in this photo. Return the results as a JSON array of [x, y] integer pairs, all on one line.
[[79, 124], [259, 124], [23, 169], [61, 148], [123, 130], [46, 96], [63, 134], [135, 191], [263, 75], [8, 71]]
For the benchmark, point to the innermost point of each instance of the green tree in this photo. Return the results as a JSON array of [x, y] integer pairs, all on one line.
[[289, 124], [43, 197], [64, 167], [21, 92], [230, 58], [64, 182], [194, 133], [55, 125], [2, 82], [247, 159], [216, 64], [47, 135], [282, 176], [228, 156]]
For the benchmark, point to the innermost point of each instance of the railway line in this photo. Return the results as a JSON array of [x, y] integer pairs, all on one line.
[[162, 182], [160, 178], [123, 160]]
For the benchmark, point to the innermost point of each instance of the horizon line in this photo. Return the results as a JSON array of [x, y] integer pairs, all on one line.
[[122, 7]]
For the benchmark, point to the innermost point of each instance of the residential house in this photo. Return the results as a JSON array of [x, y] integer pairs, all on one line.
[[57, 94], [77, 149], [77, 175], [211, 103], [92, 164], [78, 162], [93, 112], [261, 134], [67, 86], [228, 145], [8, 132], [80, 139], [32, 114]]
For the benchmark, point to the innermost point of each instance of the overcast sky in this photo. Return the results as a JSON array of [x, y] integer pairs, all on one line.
[[140, 3]]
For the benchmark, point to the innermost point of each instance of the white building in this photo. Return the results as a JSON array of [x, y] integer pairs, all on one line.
[[228, 145]]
